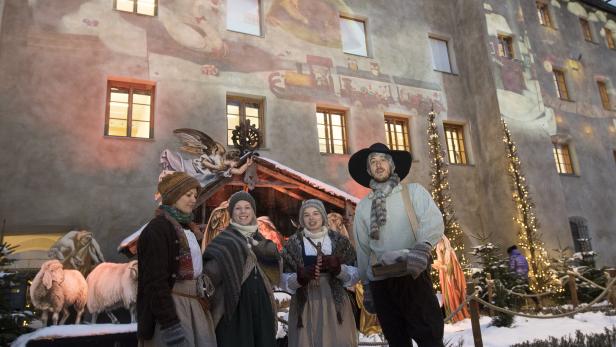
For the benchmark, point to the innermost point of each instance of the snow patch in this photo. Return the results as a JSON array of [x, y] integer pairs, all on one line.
[[59, 331]]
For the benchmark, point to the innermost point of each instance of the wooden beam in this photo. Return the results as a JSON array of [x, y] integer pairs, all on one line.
[[304, 187], [265, 184], [289, 193], [211, 190]]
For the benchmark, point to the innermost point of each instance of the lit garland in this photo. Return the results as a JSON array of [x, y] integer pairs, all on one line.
[[542, 279], [439, 187]]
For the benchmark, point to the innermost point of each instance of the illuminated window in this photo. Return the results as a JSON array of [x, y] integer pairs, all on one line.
[[562, 157], [244, 16], [544, 14], [456, 149], [239, 109], [605, 97], [505, 46], [146, 7], [397, 133], [440, 55], [560, 83], [130, 108], [353, 32], [331, 129], [609, 38], [586, 29]]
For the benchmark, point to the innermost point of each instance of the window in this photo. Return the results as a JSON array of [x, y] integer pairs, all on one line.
[[239, 109], [397, 133], [331, 129], [456, 150], [244, 16], [353, 32], [147, 7], [586, 29], [609, 38], [130, 108], [562, 157], [505, 46], [581, 238], [561, 84], [544, 14], [605, 97], [440, 55]]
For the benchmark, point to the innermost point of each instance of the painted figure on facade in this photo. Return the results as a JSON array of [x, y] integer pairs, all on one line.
[[202, 158], [243, 265], [77, 250], [451, 279], [171, 310], [396, 226], [318, 264]]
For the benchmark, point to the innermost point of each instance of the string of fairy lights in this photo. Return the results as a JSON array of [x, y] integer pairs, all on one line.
[[529, 238], [439, 188]]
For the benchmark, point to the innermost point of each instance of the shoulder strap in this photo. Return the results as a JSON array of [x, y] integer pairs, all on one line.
[[410, 211]]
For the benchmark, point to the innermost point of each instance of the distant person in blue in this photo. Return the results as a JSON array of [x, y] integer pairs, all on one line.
[[517, 262], [519, 265]]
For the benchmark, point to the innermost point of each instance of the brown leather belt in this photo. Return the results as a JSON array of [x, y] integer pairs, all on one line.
[[205, 304]]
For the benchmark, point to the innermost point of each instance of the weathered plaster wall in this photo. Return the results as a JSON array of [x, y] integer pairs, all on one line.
[[528, 101], [62, 172]]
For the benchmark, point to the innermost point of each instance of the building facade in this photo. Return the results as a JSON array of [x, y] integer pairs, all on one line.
[[92, 90]]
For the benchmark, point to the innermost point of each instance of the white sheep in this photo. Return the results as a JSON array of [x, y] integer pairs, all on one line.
[[111, 286], [54, 289]]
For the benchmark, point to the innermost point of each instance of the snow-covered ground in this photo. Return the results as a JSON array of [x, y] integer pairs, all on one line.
[[523, 329], [74, 330], [528, 329]]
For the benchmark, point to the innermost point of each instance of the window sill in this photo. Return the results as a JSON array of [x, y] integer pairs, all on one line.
[[128, 138], [549, 27], [357, 55], [568, 100], [249, 34], [446, 72], [332, 154]]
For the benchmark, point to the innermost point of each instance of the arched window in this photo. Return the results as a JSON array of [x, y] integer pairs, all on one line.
[[581, 238]]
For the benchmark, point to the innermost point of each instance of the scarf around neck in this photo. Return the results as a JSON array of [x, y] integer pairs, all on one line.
[[246, 230], [317, 235], [181, 217], [378, 209]]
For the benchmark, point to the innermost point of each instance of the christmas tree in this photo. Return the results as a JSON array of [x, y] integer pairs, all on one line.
[[542, 279], [12, 323], [439, 187]]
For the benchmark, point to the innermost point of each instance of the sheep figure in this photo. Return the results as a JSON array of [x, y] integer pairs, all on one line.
[[54, 290], [112, 286]]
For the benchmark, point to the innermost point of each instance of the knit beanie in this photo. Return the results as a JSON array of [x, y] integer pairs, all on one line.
[[239, 196], [176, 184], [312, 203]]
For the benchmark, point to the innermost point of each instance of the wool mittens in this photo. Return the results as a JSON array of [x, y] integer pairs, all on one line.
[[173, 335], [417, 259]]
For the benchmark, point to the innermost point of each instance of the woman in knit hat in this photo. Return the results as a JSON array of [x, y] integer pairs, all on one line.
[[318, 264], [243, 265], [171, 312]]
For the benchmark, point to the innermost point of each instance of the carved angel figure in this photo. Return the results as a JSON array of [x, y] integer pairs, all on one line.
[[201, 157]]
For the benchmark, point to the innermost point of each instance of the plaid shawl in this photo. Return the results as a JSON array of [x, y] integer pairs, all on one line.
[[292, 257]]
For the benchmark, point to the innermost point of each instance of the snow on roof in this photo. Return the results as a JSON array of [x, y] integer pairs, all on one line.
[[131, 237], [72, 330], [313, 182]]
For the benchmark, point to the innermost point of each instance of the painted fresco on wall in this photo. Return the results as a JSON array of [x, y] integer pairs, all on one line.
[[188, 41], [297, 18]]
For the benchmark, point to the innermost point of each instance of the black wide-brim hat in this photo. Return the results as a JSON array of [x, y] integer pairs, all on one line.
[[358, 163]]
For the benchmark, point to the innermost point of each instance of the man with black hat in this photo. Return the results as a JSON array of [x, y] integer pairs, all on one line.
[[396, 226]]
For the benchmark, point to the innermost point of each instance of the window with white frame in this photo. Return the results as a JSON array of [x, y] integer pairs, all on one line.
[[456, 147], [440, 54], [244, 16], [353, 34], [562, 158], [145, 7]]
